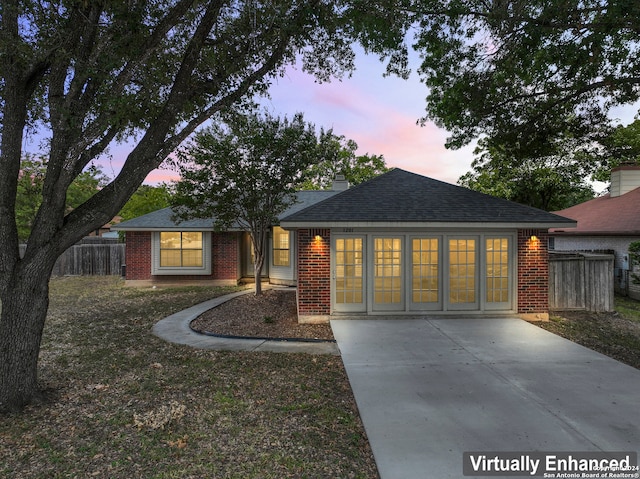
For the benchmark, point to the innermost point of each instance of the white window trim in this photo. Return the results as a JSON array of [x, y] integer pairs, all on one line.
[[274, 249], [157, 270]]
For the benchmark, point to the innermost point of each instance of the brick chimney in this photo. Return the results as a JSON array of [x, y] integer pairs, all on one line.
[[624, 179]]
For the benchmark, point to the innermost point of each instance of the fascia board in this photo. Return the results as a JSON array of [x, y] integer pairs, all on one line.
[[171, 228], [432, 224]]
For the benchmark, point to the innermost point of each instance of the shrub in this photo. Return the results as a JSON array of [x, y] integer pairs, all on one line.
[[634, 259]]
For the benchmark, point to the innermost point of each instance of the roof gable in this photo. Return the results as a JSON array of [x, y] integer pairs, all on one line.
[[399, 196]]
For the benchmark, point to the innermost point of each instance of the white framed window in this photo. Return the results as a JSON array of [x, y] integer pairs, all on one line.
[[281, 247], [181, 252]]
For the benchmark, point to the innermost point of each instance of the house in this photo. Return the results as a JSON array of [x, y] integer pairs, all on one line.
[[400, 243], [610, 222], [160, 250]]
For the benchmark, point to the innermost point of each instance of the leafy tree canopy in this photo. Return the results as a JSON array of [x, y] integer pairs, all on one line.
[[521, 72], [29, 194], [88, 74], [620, 147], [340, 159], [551, 183], [245, 173], [145, 200]]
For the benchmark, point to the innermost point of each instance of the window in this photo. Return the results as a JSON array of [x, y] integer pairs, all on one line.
[[280, 247], [181, 252]]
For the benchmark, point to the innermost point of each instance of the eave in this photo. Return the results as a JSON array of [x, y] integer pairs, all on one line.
[[441, 225]]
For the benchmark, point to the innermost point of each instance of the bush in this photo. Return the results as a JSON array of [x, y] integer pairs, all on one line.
[[634, 259]]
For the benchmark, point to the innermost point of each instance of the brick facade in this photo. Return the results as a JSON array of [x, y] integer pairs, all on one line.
[[314, 267], [138, 255], [225, 257], [533, 271], [314, 272]]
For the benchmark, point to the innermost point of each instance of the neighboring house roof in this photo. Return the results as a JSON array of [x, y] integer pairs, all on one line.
[[401, 198], [161, 220], [605, 215]]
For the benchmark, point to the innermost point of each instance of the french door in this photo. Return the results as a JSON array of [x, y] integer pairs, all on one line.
[[388, 273], [415, 272], [463, 274], [349, 274]]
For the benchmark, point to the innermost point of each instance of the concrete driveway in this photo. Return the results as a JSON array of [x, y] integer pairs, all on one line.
[[430, 390]]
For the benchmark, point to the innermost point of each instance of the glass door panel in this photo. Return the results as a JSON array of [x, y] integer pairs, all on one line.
[[497, 274], [425, 274], [463, 274], [388, 291], [348, 276]]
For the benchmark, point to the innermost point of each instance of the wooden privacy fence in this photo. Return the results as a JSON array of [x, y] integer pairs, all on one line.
[[92, 256], [581, 281]]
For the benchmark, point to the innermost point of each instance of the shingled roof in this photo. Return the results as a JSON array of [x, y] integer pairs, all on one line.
[[162, 220], [399, 197], [606, 215]]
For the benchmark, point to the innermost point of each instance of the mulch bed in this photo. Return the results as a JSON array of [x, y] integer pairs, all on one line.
[[273, 314]]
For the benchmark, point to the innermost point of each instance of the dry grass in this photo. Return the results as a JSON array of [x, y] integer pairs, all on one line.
[[615, 334], [122, 403]]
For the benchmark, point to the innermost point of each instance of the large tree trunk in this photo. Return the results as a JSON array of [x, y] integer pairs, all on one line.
[[24, 308]]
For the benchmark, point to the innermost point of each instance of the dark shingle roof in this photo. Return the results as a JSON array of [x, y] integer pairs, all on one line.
[[162, 219], [403, 197]]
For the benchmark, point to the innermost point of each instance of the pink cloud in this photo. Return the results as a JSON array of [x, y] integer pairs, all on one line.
[[161, 176], [380, 114]]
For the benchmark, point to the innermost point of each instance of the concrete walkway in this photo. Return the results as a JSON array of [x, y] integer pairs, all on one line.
[[175, 329], [430, 390]]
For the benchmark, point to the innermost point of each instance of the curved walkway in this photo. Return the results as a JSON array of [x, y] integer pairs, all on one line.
[[175, 329]]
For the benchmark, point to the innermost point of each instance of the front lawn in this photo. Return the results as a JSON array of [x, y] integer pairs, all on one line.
[[122, 403]]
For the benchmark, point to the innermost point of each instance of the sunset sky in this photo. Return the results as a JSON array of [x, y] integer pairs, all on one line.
[[380, 114]]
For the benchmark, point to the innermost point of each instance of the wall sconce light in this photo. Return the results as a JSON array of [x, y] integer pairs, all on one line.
[[533, 238], [317, 238]]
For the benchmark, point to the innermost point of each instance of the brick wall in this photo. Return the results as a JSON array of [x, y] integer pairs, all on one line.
[[225, 256], [138, 255], [314, 272], [533, 271]]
